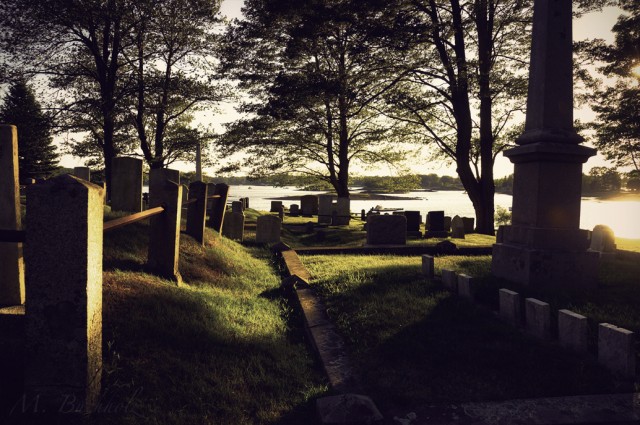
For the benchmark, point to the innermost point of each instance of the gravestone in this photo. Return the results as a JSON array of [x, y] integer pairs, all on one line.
[[211, 188], [510, 310], [544, 246], [603, 240], [275, 206], [63, 324], [343, 212], [435, 223], [428, 266], [447, 224], [197, 211], [163, 251], [233, 227], [363, 215], [11, 260], [469, 224], [157, 178], [218, 206], [386, 230], [457, 228], [449, 279], [83, 173], [268, 229], [573, 330], [537, 318], [466, 286], [413, 223], [294, 210], [325, 208], [126, 184], [616, 349], [309, 205], [281, 213], [236, 207], [246, 203]]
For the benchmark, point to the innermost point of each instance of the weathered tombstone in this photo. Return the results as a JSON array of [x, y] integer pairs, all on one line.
[[510, 307], [427, 266], [236, 207], [309, 205], [363, 215], [275, 206], [294, 210], [11, 260], [545, 246], [435, 222], [343, 209], [197, 211], [268, 229], [572, 330], [447, 224], [157, 178], [164, 231], [218, 206], [63, 328], [386, 230], [603, 240], [281, 213], [466, 286], [449, 279], [537, 318], [126, 184], [83, 173], [413, 223], [616, 349], [233, 227], [469, 224], [325, 208], [457, 228], [211, 188], [246, 203]]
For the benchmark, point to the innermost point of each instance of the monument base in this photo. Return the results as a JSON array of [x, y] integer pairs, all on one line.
[[574, 270]]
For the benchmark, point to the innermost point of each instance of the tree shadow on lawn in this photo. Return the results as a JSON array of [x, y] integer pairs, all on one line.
[[416, 344]]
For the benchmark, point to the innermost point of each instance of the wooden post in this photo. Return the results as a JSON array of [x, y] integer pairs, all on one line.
[[11, 260], [197, 211], [63, 253]]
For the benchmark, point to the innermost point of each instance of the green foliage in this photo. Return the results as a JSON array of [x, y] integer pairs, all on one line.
[[389, 183], [617, 105], [502, 216], [505, 184], [601, 179], [37, 155]]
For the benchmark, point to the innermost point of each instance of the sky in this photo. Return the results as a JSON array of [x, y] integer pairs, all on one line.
[[593, 25]]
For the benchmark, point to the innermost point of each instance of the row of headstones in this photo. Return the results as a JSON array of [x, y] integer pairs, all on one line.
[[394, 229], [329, 211], [616, 346]]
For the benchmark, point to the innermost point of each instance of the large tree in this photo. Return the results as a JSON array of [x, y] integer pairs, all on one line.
[[37, 156], [617, 105], [314, 74]]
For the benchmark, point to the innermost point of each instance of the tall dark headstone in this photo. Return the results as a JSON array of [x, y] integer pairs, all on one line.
[[544, 244], [435, 225]]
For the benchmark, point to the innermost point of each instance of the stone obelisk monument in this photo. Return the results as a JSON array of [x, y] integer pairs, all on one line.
[[544, 245]]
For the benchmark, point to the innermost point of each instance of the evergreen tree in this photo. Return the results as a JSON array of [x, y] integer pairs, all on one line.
[[36, 153]]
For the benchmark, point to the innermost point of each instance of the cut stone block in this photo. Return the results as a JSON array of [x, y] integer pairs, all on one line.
[[63, 259], [268, 229], [572, 330], [343, 212], [294, 210], [538, 318], [126, 184], [164, 231], [218, 206], [197, 211], [616, 349], [325, 208], [427, 266], [12, 291], [386, 230], [233, 227], [450, 279], [275, 206], [469, 224], [83, 173], [510, 307], [309, 205], [466, 286], [347, 409]]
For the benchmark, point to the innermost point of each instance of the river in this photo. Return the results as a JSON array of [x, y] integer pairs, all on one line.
[[622, 216]]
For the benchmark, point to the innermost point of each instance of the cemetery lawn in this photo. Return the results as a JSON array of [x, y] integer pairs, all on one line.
[[224, 349], [414, 343]]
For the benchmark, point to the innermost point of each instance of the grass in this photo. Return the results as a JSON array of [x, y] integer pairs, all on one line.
[[224, 349], [414, 343], [628, 244]]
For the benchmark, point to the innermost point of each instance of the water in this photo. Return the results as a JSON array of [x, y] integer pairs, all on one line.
[[622, 216]]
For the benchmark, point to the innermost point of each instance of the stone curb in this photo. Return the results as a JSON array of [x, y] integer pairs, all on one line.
[[394, 250], [330, 348]]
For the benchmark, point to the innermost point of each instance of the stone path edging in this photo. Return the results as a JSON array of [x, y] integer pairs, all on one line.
[[394, 250]]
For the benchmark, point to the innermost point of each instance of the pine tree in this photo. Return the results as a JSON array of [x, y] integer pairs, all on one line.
[[36, 153]]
